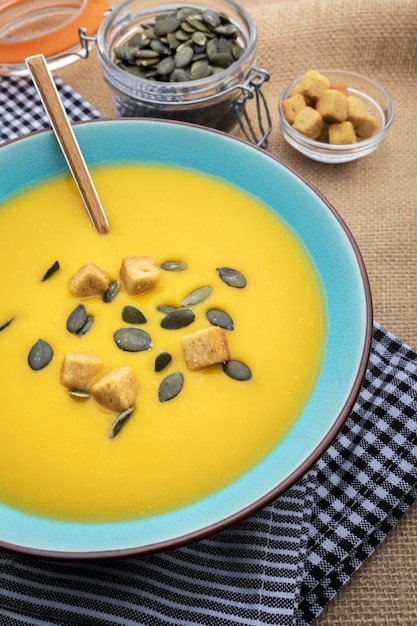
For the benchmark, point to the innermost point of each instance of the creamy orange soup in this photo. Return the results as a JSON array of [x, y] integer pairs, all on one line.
[[57, 459]]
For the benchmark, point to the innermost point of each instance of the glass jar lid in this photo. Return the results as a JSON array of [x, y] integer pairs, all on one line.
[[48, 27]]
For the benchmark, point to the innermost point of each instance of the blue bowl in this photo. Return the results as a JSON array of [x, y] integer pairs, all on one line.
[[349, 328]]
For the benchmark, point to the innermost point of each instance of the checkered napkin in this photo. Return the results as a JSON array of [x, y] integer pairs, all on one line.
[[282, 565]]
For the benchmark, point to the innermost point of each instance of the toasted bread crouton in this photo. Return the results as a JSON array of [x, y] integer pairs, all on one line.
[[367, 127], [309, 122], [90, 280], [334, 84], [342, 133], [291, 106], [139, 274], [117, 390], [356, 110], [79, 370], [205, 347], [312, 85], [332, 106]]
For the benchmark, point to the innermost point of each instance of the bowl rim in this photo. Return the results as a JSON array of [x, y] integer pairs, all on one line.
[[325, 148], [308, 462]]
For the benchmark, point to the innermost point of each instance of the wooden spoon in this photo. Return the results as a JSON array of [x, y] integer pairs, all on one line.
[[45, 85]]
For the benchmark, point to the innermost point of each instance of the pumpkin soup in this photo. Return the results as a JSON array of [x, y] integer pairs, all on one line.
[[66, 455]]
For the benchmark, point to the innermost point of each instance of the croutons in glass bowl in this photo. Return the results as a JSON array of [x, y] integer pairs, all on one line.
[[335, 116]]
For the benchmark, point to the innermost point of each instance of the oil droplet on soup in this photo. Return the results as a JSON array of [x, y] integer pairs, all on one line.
[[57, 458]]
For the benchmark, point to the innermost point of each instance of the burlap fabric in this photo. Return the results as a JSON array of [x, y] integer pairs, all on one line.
[[377, 197]]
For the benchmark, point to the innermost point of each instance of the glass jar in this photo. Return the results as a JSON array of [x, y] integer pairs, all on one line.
[[218, 101], [48, 27]]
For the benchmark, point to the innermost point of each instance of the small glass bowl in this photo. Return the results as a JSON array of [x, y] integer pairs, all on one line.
[[217, 101], [377, 101]]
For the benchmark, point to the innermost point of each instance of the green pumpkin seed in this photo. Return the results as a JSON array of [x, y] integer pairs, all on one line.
[[81, 394], [50, 271], [232, 277], [237, 370], [174, 266], [211, 18], [222, 59], [166, 308], [162, 359], [6, 323], [217, 317], [120, 422], [165, 66], [132, 339], [40, 355], [183, 57], [198, 24], [197, 296], [159, 46], [132, 315], [200, 69], [170, 386], [180, 76], [86, 326], [165, 24], [111, 292], [77, 319], [179, 318], [199, 38]]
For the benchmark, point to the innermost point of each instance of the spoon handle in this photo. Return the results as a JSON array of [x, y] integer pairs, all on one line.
[[48, 93]]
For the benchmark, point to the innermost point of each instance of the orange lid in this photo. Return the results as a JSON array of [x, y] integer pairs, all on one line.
[[29, 27]]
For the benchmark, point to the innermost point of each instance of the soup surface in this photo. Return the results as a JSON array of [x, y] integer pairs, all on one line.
[[57, 458]]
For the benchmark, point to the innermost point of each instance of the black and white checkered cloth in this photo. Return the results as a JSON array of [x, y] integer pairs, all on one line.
[[282, 565]]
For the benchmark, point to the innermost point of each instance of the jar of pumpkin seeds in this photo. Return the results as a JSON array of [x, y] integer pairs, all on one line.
[[192, 63]]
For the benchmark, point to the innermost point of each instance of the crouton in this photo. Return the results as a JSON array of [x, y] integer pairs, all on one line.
[[205, 347], [117, 390], [332, 106], [90, 280], [291, 106], [79, 370], [339, 86], [342, 133], [367, 127], [312, 85], [309, 122], [139, 274], [356, 110]]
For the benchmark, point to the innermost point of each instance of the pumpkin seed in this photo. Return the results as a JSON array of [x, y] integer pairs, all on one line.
[[132, 315], [232, 277], [166, 308], [40, 355], [6, 324], [237, 370], [178, 318], [120, 422], [183, 57], [165, 24], [82, 394], [174, 266], [198, 295], [162, 360], [165, 66], [132, 339], [211, 18], [77, 319], [111, 292], [86, 326], [50, 271], [200, 69], [217, 317], [170, 386]]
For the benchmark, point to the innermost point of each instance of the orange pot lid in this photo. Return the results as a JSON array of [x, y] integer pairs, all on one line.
[[48, 27]]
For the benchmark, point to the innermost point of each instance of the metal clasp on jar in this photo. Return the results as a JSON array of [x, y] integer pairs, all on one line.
[[252, 88]]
